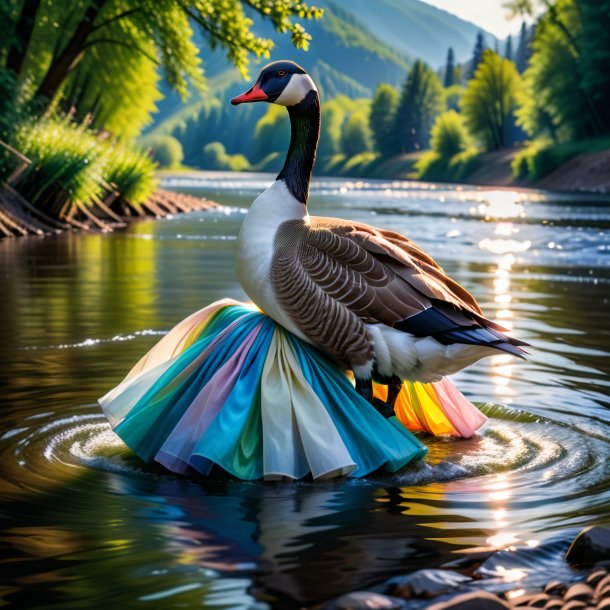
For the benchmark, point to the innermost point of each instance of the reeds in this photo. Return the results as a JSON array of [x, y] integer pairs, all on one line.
[[77, 173]]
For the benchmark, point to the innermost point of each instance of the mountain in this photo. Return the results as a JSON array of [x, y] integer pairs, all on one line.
[[355, 46], [417, 29]]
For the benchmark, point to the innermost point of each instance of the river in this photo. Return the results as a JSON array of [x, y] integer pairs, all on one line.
[[87, 525]]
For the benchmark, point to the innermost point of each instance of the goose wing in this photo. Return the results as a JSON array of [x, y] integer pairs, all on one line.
[[381, 277]]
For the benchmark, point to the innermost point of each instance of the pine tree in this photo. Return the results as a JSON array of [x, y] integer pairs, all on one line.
[[381, 120], [449, 69], [420, 103], [522, 57], [508, 49], [477, 55]]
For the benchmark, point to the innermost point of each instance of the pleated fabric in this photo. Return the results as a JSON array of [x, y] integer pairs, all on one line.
[[229, 387]]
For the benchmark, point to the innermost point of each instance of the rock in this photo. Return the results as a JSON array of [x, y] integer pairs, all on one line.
[[590, 546], [531, 600], [480, 600], [579, 592], [364, 600], [470, 560], [604, 604], [554, 604], [602, 592], [555, 587], [605, 581], [595, 577], [574, 605], [427, 583]]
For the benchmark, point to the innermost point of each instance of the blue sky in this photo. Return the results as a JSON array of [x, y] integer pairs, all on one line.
[[489, 14]]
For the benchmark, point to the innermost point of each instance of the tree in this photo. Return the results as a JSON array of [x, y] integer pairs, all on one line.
[[508, 49], [477, 54], [449, 69], [567, 77], [381, 120], [490, 100], [88, 24], [523, 53], [356, 135], [421, 101], [449, 136], [167, 151]]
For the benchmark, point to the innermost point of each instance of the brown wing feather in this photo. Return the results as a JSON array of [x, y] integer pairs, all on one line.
[[403, 257]]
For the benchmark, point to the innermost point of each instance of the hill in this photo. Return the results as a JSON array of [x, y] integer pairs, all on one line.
[[358, 44]]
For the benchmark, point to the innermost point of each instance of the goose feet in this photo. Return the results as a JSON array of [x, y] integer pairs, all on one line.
[[364, 387]]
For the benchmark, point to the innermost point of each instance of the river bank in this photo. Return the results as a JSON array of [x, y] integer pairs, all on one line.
[[18, 217]]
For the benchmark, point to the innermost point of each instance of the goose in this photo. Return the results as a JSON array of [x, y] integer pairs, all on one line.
[[369, 298]]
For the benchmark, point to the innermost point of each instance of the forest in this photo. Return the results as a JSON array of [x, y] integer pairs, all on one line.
[[544, 96], [81, 83]]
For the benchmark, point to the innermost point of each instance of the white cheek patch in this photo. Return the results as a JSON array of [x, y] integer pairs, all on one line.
[[295, 91]]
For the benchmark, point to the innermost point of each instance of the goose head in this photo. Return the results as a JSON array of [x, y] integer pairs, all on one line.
[[281, 82]]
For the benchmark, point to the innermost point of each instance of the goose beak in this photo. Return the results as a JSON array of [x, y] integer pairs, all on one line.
[[254, 94]]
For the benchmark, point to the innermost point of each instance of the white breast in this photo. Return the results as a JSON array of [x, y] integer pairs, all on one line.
[[254, 249]]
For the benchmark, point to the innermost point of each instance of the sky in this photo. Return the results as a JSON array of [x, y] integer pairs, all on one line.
[[488, 14]]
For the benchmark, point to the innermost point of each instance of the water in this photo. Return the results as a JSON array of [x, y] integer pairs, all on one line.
[[86, 524]]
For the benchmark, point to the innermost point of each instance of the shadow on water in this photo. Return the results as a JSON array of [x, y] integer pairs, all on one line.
[[86, 524]]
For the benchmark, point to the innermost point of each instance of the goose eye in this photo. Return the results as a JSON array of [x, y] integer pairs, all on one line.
[[281, 72]]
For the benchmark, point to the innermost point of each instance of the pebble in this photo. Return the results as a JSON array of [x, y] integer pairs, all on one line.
[[555, 587], [579, 592], [595, 577], [574, 604], [590, 546], [481, 600], [605, 581], [534, 600], [604, 604], [554, 604]]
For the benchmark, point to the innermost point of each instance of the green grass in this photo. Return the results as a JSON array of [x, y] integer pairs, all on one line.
[[73, 167]]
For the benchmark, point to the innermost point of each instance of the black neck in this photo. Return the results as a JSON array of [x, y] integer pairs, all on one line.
[[305, 132]]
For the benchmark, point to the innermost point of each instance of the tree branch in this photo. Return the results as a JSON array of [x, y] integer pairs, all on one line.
[[121, 44], [116, 17]]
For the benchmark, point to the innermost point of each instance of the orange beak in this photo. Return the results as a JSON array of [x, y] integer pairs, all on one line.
[[254, 94]]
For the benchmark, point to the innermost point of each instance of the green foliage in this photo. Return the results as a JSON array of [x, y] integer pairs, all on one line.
[[71, 165], [356, 135], [568, 91], [490, 99], [272, 133], [215, 157], [452, 156], [103, 54], [543, 156], [432, 166], [64, 154], [381, 120], [166, 150], [132, 173], [453, 97], [449, 136], [420, 102]]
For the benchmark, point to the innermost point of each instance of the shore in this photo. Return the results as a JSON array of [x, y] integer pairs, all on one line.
[[19, 218], [478, 580]]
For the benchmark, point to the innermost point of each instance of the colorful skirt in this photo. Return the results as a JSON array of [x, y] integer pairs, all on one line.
[[229, 387]]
